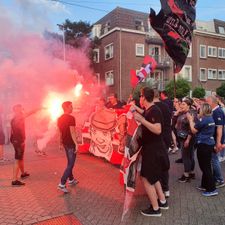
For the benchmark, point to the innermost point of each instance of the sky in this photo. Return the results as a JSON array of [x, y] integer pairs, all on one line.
[[57, 11]]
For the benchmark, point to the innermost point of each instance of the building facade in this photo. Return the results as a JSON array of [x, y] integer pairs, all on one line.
[[126, 37]]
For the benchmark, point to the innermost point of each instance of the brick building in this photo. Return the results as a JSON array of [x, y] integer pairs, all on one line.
[[126, 37]]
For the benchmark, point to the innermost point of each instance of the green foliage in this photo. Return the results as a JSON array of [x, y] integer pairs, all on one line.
[[75, 32], [198, 92], [221, 90], [182, 88]]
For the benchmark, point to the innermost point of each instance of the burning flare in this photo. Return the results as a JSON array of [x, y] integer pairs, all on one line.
[[77, 90], [53, 104]]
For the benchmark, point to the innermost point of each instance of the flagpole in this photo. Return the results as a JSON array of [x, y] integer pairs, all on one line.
[[174, 81]]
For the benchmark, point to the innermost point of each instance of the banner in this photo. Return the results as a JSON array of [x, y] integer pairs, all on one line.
[[175, 24]]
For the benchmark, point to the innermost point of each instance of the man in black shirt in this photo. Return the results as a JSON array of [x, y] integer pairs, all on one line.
[[66, 125], [167, 138], [18, 140], [164, 98]]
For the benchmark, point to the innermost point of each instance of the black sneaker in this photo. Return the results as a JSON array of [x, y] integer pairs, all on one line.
[[24, 175], [179, 160], [184, 179], [163, 205], [17, 183], [151, 212]]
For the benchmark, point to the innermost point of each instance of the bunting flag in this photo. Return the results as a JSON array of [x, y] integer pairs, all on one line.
[[175, 24], [148, 66]]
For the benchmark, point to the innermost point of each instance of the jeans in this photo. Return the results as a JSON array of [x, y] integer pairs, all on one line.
[[216, 168], [222, 153], [204, 154], [188, 155], [68, 173]]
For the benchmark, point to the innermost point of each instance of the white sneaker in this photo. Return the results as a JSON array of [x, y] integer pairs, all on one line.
[[62, 188], [170, 150], [175, 150], [167, 194], [73, 182]]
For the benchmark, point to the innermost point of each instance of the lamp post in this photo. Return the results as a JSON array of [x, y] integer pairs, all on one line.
[[64, 42]]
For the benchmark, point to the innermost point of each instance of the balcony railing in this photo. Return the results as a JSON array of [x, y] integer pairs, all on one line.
[[162, 62], [153, 38]]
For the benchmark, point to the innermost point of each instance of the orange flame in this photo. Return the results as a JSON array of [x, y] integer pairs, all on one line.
[[53, 104]]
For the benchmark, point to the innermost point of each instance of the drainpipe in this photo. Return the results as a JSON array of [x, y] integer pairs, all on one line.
[[120, 68]]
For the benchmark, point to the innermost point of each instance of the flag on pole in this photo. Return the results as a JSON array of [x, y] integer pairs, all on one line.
[[175, 24]]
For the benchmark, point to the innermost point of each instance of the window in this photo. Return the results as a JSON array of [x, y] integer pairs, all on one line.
[[109, 78], [221, 30], [139, 25], [221, 53], [202, 51], [203, 74], [109, 51], [212, 51], [155, 52], [186, 73], [221, 74], [96, 31], [106, 27], [96, 55], [140, 50], [212, 74], [190, 52]]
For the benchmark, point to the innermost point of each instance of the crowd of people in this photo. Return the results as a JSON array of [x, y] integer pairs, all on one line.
[[186, 125]]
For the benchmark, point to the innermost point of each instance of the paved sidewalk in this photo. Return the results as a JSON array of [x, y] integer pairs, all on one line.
[[98, 198]]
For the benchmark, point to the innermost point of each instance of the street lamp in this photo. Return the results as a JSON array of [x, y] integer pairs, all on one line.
[[61, 27]]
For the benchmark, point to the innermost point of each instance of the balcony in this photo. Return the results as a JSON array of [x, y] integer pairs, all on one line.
[[162, 62], [153, 38]]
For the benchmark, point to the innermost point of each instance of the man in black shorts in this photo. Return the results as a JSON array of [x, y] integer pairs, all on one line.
[[18, 140], [66, 125], [154, 159]]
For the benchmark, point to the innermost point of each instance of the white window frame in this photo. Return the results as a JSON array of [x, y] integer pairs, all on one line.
[[221, 30], [138, 45], [109, 78], [109, 48], [139, 26], [212, 78], [203, 56], [183, 74], [96, 50], [190, 52], [223, 74], [213, 54], [206, 74], [221, 56]]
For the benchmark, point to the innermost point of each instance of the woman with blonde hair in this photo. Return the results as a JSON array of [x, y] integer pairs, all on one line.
[[204, 129]]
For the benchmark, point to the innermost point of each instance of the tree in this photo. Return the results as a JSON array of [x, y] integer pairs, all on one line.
[[198, 92], [75, 32], [182, 88], [137, 90], [221, 90]]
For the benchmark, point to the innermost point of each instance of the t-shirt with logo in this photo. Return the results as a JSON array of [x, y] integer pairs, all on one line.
[[64, 123], [219, 118], [206, 130]]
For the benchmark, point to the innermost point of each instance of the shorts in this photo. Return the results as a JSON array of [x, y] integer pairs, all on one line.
[[19, 150]]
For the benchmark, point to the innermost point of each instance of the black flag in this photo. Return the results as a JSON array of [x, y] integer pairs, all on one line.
[[175, 23]]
